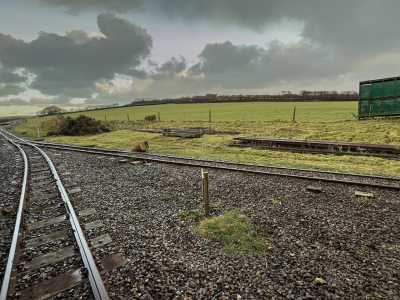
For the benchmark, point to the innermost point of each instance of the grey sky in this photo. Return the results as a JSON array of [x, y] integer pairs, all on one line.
[[106, 51]]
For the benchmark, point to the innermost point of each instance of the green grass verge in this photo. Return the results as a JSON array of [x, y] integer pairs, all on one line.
[[216, 146], [234, 231]]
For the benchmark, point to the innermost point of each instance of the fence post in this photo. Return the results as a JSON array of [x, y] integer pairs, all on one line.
[[244, 113], [105, 117], [158, 116], [206, 195], [128, 116], [294, 114], [209, 116]]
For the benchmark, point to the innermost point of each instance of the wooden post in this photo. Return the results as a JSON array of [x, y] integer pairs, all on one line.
[[105, 117], [244, 113], [209, 116], [127, 116], [205, 194], [294, 114], [158, 116]]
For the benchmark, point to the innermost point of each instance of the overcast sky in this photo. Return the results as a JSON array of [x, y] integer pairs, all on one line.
[[80, 52]]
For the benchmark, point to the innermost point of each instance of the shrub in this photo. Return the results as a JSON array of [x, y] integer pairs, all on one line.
[[150, 118], [82, 125]]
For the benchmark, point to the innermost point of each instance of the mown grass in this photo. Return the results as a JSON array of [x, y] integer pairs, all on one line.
[[234, 231], [216, 146]]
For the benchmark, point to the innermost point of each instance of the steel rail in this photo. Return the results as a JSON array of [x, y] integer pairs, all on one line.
[[129, 154], [320, 179], [126, 154], [313, 150], [95, 279], [11, 256]]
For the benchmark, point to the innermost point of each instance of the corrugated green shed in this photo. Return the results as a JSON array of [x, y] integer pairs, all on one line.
[[379, 98]]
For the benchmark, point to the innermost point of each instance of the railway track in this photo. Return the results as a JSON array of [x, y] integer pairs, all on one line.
[[392, 183], [318, 147], [48, 234]]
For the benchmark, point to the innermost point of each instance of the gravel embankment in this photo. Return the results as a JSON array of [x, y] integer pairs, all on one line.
[[352, 244]]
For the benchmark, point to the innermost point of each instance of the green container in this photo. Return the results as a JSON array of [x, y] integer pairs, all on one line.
[[379, 98]]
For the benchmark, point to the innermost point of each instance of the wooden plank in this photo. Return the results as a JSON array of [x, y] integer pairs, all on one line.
[[47, 222], [45, 189], [68, 280], [40, 173], [42, 183], [317, 189], [43, 208], [42, 240], [39, 170], [70, 184], [362, 194], [93, 225], [40, 178], [49, 258], [87, 212], [101, 240], [74, 191], [44, 197]]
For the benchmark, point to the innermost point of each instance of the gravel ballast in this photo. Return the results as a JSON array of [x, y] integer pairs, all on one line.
[[11, 171], [327, 245]]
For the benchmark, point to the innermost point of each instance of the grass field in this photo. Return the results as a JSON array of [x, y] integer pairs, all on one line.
[[323, 121], [229, 112]]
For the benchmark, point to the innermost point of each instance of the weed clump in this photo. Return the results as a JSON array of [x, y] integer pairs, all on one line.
[[150, 118], [234, 230], [82, 125]]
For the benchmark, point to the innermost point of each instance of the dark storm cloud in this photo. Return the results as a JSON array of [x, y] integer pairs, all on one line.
[[7, 76], [239, 66], [74, 64], [169, 69], [35, 101], [73, 6], [14, 101], [10, 89]]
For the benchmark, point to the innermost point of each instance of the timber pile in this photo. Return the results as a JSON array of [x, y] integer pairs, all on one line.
[[196, 130], [183, 134]]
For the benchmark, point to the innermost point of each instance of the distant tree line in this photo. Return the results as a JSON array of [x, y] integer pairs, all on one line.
[[55, 110], [4, 121], [284, 96]]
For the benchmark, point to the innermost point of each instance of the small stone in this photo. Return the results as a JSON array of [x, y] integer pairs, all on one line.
[[192, 284], [8, 209], [319, 281], [238, 297]]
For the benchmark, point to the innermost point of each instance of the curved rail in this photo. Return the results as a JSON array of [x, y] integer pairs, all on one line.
[[96, 282], [11, 256], [231, 166], [153, 157]]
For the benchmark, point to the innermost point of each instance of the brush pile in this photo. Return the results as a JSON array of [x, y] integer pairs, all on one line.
[[82, 125]]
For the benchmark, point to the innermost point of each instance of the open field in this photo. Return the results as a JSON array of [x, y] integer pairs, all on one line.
[[324, 124], [230, 112]]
